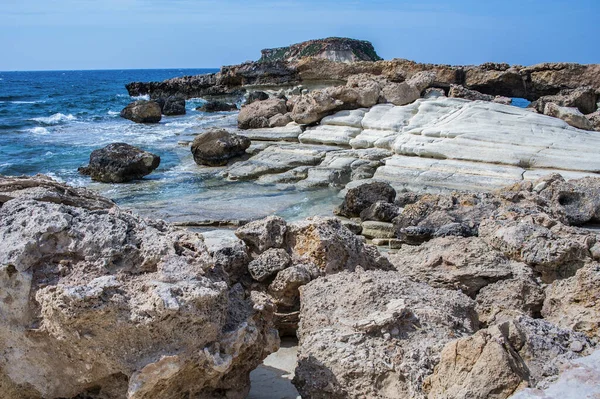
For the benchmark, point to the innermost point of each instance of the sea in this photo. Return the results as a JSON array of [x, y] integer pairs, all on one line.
[[51, 121]]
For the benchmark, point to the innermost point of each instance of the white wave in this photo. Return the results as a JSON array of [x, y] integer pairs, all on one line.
[[144, 97], [5, 165], [55, 119], [114, 113], [39, 130]]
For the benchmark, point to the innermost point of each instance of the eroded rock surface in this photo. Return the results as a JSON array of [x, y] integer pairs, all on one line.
[[216, 147], [101, 303], [142, 111]]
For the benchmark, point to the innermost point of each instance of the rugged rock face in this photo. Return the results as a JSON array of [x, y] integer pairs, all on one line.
[[361, 198], [375, 334], [172, 106], [119, 163], [142, 111], [217, 147], [495, 362], [99, 303], [257, 114], [572, 116], [334, 49]]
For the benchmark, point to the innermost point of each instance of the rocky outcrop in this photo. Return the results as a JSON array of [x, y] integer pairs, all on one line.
[[217, 106], [571, 115], [375, 334], [582, 98], [172, 106], [361, 198], [336, 49], [496, 362], [101, 303], [458, 91], [142, 111], [216, 147], [120, 163], [258, 114]]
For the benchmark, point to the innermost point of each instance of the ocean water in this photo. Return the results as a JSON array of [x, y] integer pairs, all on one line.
[[50, 122]]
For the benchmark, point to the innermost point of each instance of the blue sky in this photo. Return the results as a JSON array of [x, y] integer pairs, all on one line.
[[115, 34]]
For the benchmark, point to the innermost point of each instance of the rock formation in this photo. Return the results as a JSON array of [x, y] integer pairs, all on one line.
[[142, 111], [334, 48], [120, 163], [217, 106], [99, 303], [216, 147]]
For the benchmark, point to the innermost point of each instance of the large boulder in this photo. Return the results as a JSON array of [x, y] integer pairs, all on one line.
[[105, 304], [571, 115], [359, 199], [582, 98], [142, 111], [375, 334], [217, 106], [261, 235], [119, 163], [257, 114], [497, 361], [217, 147]]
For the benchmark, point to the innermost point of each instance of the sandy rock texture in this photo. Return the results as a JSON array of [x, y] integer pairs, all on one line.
[[99, 303], [142, 111], [375, 334]]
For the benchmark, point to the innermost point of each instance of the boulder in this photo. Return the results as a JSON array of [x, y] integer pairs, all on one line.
[[594, 119], [119, 163], [372, 229], [229, 253], [434, 92], [142, 111], [459, 91], [268, 263], [381, 211], [217, 106], [285, 287], [574, 303], [466, 264], [582, 98], [216, 147], [375, 334], [257, 114], [264, 234], [572, 116], [360, 198], [173, 106], [497, 361], [256, 96], [331, 247], [407, 91], [106, 304], [280, 120]]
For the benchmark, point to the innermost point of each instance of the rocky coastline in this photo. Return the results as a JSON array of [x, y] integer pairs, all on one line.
[[462, 262]]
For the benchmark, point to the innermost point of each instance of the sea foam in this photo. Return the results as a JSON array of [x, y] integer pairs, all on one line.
[[39, 130], [54, 119]]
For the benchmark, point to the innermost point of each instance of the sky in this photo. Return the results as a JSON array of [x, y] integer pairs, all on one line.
[[129, 34]]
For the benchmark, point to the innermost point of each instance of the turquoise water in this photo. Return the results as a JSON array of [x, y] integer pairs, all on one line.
[[50, 122]]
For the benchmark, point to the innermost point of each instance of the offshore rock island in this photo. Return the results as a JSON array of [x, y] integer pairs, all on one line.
[[462, 259]]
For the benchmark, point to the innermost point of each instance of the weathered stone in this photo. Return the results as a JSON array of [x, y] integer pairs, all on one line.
[[217, 147], [142, 111], [372, 229], [268, 263], [119, 163], [572, 116], [285, 287], [257, 114], [364, 196], [582, 98], [280, 120], [256, 96], [374, 334], [217, 106], [173, 106], [263, 234], [381, 212]]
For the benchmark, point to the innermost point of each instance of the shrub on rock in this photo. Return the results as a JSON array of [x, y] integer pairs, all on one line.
[[120, 163]]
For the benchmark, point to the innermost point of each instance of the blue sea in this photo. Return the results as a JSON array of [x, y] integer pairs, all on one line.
[[50, 122]]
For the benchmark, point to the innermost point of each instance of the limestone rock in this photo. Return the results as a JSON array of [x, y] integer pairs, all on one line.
[[119, 163], [572, 116], [142, 111], [263, 234], [374, 334], [103, 303], [216, 147], [495, 362], [326, 243], [285, 287], [280, 120], [582, 98], [459, 91], [228, 253], [172, 106], [371, 229], [256, 96], [217, 106], [337, 49], [575, 302], [364, 196], [381, 211], [268, 263], [257, 114], [594, 119]]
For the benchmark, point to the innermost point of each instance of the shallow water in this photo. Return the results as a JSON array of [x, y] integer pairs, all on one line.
[[50, 122]]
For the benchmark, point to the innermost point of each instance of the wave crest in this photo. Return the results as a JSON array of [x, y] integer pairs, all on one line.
[[54, 119]]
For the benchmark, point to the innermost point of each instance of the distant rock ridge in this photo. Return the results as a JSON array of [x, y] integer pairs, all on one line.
[[336, 49]]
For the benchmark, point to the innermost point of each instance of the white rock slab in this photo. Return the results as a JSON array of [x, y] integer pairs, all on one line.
[[286, 133], [351, 118], [329, 134]]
